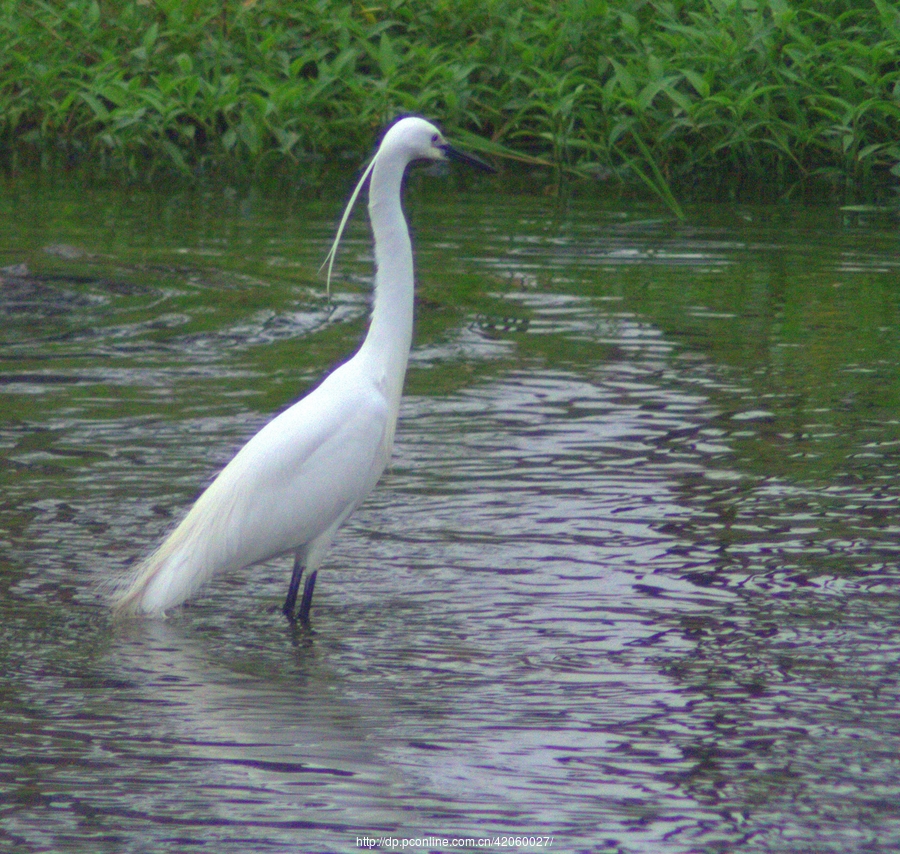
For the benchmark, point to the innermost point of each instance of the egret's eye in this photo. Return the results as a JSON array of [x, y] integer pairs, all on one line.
[[436, 140]]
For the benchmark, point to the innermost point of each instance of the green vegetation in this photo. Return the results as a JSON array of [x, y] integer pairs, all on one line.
[[744, 96]]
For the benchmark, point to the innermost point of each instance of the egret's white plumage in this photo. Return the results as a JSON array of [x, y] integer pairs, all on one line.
[[296, 481]]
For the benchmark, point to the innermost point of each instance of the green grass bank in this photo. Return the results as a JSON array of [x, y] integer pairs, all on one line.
[[739, 96]]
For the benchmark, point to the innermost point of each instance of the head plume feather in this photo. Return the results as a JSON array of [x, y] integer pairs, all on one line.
[[332, 253]]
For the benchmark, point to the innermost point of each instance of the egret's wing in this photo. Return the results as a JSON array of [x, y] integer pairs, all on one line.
[[302, 474], [305, 470]]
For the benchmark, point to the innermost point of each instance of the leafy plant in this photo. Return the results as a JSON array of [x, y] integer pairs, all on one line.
[[744, 94]]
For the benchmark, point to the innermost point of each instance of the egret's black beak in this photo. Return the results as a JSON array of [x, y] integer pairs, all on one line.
[[452, 153]]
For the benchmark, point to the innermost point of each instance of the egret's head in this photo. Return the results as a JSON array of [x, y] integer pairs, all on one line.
[[421, 140], [408, 139]]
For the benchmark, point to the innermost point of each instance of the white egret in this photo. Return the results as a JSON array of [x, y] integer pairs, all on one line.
[[297, 480]]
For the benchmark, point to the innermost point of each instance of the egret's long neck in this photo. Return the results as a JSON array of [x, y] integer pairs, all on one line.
[[390, 331]]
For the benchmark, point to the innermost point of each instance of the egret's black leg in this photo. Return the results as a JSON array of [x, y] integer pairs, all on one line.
[[306, 601], [293, 587]]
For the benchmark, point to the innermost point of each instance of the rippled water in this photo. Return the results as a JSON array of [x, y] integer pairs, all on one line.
[[631, 582]]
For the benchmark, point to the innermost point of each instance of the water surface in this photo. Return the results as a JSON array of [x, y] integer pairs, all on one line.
[[630, 583]]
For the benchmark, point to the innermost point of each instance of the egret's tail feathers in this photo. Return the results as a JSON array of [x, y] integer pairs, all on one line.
[[165, 579], [126, 594], [139, 593]]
